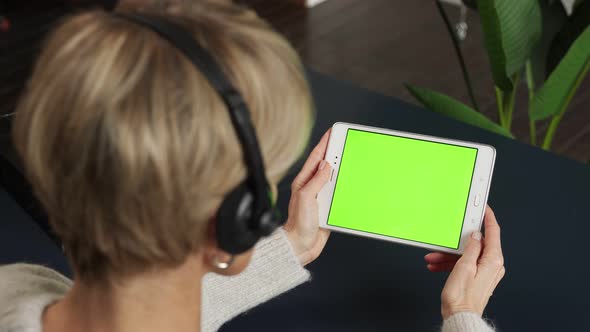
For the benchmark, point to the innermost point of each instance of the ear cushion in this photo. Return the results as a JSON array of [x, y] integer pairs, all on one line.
[[233, 231]]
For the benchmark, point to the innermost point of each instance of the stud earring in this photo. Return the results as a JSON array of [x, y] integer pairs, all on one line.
[[223, 265]]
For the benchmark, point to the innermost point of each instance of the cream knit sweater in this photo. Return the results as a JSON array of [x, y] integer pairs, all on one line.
[[26, 290]]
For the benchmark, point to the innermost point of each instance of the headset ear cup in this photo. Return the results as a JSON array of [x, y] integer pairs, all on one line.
[[233, 231]]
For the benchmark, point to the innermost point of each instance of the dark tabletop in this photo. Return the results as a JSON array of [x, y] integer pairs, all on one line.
[[368, 285]]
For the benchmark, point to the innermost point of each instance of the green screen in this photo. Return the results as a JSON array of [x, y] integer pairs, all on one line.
[[401, 187]]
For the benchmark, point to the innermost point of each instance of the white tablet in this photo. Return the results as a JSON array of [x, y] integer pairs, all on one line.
[[407, 188]]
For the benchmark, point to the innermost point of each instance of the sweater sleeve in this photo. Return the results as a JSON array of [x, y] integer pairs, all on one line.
[[466, 322], [273, 270], [25, 291]]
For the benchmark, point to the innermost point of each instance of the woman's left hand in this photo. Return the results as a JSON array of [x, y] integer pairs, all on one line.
[[302, 226]]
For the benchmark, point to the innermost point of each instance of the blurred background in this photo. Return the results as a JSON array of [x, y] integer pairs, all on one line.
[[382, 44], [376, 44]]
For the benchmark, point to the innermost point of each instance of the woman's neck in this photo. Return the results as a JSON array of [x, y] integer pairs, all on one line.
[[167, 300]]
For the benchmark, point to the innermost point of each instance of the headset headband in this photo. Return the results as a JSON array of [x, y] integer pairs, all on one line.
[[185, 42]]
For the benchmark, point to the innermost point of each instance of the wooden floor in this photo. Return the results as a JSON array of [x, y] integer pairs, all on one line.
[[380, 44]]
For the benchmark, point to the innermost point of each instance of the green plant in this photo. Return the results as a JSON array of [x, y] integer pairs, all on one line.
[[513, 34]]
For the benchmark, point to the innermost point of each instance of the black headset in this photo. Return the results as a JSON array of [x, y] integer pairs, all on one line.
[[247, 213]]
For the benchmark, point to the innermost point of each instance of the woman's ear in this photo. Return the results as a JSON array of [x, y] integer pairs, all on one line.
[[219, 261]]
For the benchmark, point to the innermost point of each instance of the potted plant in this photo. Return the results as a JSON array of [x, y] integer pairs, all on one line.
[[512, 33]]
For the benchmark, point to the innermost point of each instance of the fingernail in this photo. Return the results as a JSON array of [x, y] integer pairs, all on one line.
[[476, 235], [323, 164]]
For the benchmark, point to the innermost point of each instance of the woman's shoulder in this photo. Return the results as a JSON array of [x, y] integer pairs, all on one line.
[[25, 291], [29, 278]]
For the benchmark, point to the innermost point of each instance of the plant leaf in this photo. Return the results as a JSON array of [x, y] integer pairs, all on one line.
[[558, 90], [452, 108], [511, 29], [554, 18], [568, 33]]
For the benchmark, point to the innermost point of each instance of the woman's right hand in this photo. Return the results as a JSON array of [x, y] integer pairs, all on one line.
[[476, 274]]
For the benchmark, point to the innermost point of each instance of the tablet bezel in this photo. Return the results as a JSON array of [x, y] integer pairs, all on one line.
[[480, 184]]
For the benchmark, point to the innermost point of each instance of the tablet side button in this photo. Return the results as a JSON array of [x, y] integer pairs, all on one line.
[[477, 200], [332, 175]]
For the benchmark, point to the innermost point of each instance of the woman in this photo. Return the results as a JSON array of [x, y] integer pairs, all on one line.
[[131, 152]]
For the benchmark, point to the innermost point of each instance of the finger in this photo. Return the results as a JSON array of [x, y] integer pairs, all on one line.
[[320, 242], [317, 182], [492, 243], [473, 249], [491, 267], [496, 280], [466, 267], [322, 239], [312, 162], [440, 257], [499, 277], [441, 267], [324, 234]]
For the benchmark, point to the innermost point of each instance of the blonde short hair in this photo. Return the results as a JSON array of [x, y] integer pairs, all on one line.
[[129, 148]]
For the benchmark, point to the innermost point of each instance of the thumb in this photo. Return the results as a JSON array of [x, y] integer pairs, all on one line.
[[319, 179], [473, 248]]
